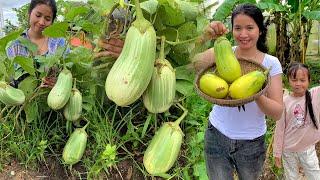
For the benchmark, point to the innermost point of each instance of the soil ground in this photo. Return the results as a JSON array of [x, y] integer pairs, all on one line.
[[125, 171]]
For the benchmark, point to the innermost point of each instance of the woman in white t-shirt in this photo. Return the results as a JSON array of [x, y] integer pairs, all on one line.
[[234, 139]]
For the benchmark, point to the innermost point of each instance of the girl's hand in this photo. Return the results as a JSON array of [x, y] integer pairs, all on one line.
[[112, 47], [277, 162], [214, 30]]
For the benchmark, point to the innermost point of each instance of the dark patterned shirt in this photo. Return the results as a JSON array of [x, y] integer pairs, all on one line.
[[17, 49]]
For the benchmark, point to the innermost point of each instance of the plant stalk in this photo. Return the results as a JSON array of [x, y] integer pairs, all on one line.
[[138, 10], [185, 112], [163, 41], [182, 42]]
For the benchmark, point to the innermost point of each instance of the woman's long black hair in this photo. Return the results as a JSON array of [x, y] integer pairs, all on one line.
[[292, 73], [50, 3]]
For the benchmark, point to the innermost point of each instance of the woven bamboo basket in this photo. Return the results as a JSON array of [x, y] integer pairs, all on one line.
[[246, 67]]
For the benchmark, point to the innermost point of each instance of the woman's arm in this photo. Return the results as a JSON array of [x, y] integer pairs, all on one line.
[[111, 48], [272, 103], [203, 60]]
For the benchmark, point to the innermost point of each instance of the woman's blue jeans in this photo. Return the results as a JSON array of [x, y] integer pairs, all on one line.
[[224, 155]]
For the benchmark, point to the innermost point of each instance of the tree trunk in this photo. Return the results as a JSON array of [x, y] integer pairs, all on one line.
[[295, 42], [283, 44]]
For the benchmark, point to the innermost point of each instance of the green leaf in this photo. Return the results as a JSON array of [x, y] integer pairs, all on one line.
[[28, 85], [246, 1], [202, 23], [91, 27], [80, 55], [50, 60], [5, 40], [173, 15], [28, 44], [18, 73], [150, 6], [185, 73], [189, 9], [3, 69], [31, 110], [269, 1], [102, 6], [170, 33], [224, 10], [184, 87], [187, 31], [271, 6], [57, 30], [294, 5], [180, 54], [73, 12], [26, 64], [313, 15]]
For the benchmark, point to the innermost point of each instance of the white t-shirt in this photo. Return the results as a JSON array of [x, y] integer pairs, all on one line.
[[248, 124]]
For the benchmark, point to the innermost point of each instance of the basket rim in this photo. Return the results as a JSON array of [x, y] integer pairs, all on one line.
[[231, 102]]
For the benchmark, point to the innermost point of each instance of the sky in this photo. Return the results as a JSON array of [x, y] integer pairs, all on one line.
[[7, 6]]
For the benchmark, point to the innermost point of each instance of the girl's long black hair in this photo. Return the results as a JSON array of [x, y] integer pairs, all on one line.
[[292, 73]]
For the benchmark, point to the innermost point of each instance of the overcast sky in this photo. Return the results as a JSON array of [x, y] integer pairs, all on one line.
[[7, 6]]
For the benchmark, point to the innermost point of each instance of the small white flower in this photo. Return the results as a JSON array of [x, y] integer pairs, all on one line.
[[60, 18]]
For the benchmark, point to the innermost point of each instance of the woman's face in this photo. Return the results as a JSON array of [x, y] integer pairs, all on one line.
[[300, 83], [245, 31], [40, 18]]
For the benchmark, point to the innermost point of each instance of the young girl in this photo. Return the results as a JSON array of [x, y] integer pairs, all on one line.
[[297, 131]]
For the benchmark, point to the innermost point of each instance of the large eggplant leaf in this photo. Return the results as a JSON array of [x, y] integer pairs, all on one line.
[[184, 87], [185, 73], [26, 64], [3, 70], [31, 110], [102, 6], [189, 9], [80, 54], [57, 30], [50, 60], [28, 44], [90, 27], [187, 31], [75, 11], [150, 6], [28, 85], [5, 40], [170, 33], [202, 23], [172, 14]]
